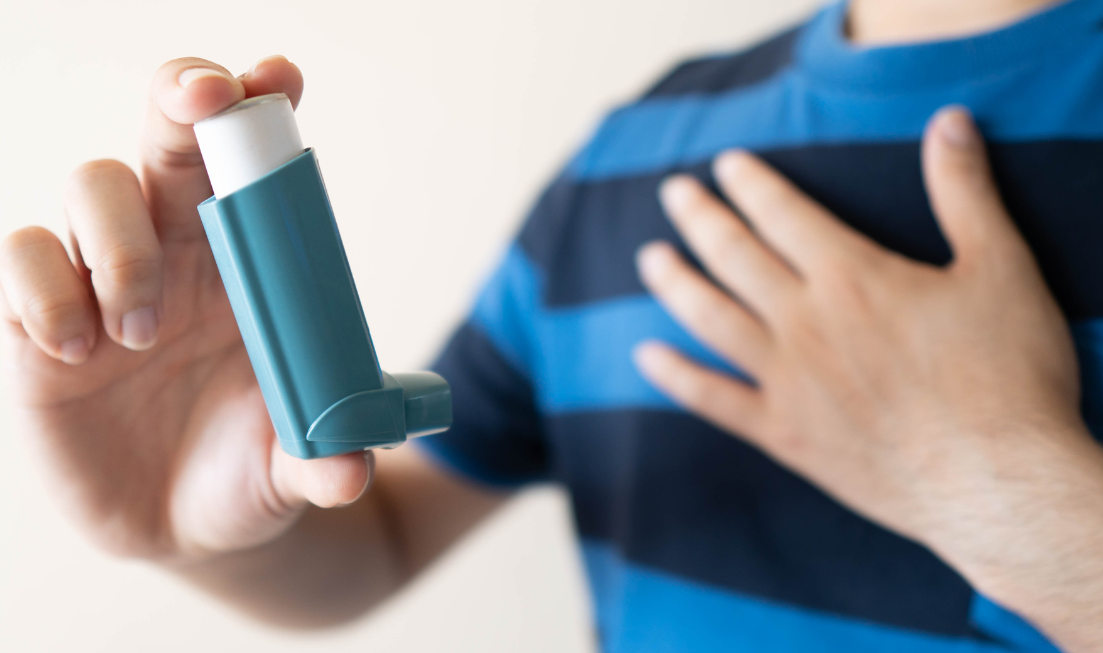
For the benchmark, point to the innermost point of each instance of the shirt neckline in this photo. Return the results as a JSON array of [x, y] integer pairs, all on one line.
[[823, 51]]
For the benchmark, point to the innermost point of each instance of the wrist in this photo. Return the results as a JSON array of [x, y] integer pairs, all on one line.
[[1024, 525]]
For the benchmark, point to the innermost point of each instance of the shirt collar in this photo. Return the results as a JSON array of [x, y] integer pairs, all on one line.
[[824, 53]]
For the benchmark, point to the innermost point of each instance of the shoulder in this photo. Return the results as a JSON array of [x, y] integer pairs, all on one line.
[[655, 125], [728, 71], [577, 202]]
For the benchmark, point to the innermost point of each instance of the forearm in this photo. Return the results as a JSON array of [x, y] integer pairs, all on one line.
[[1029, 533], [330, 567], [334, 565]]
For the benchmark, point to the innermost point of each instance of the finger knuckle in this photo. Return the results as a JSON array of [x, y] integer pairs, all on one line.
[[788, 442], [25, 239], [697, 391], [805, 333], [53, 310], [98, 173], [699, 310], [127, 265], [730, 245], [846, 288]]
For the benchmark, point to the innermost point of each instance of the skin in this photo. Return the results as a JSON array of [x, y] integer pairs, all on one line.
[[134, 387], [880, 22], [156, 441], [940, 402]]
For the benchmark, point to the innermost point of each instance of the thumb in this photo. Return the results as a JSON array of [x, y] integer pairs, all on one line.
[[962, 191], [324, 482]]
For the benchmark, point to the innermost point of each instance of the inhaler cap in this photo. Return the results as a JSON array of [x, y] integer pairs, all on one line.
[[247, 141]]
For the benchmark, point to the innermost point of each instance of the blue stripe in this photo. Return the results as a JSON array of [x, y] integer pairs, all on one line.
[[582, 372], [639, 609], [580, 358], [791, 110], [506, 306], [1008, 627], [1058, 30]]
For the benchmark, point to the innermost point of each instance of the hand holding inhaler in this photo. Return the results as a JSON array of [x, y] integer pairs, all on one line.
[[152, 434], [275, 240]]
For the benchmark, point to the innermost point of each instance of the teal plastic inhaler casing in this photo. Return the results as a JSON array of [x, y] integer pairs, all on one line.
[[280, 256]]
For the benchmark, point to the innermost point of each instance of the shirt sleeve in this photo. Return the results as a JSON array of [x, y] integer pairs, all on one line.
[[496, 436]]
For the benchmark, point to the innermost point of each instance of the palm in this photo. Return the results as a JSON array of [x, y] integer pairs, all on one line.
[[169, 450], [129, 433]]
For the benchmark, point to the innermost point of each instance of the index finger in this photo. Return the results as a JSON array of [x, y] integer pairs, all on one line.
[[185, 91], [799, 228]]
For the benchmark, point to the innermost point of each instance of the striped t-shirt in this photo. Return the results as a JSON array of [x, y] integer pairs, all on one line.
[[693, 540]]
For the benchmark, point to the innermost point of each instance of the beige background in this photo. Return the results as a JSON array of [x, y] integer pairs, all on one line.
[[436, 121]]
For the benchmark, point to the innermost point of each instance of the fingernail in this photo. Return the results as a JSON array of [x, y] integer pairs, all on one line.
[[957, 128], [727, 164], [253, 68], [677, 192], [74, 351], [369, 458], [140, 328], [648, 355], [653, 259], [192, 74]]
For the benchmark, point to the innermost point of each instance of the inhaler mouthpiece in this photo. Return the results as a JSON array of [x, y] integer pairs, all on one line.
[[247, 141]]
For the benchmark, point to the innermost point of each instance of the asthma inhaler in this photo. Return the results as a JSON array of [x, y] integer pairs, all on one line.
[[276, 244]]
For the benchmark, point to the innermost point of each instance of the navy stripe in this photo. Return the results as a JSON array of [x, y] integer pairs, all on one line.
[[547, 232], [790, 110], [581, 357], [725, 73], [642, 609], [695, 540], [1054, 190], [506, 310], [496, 433], [1088, 337], [674, 494]]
